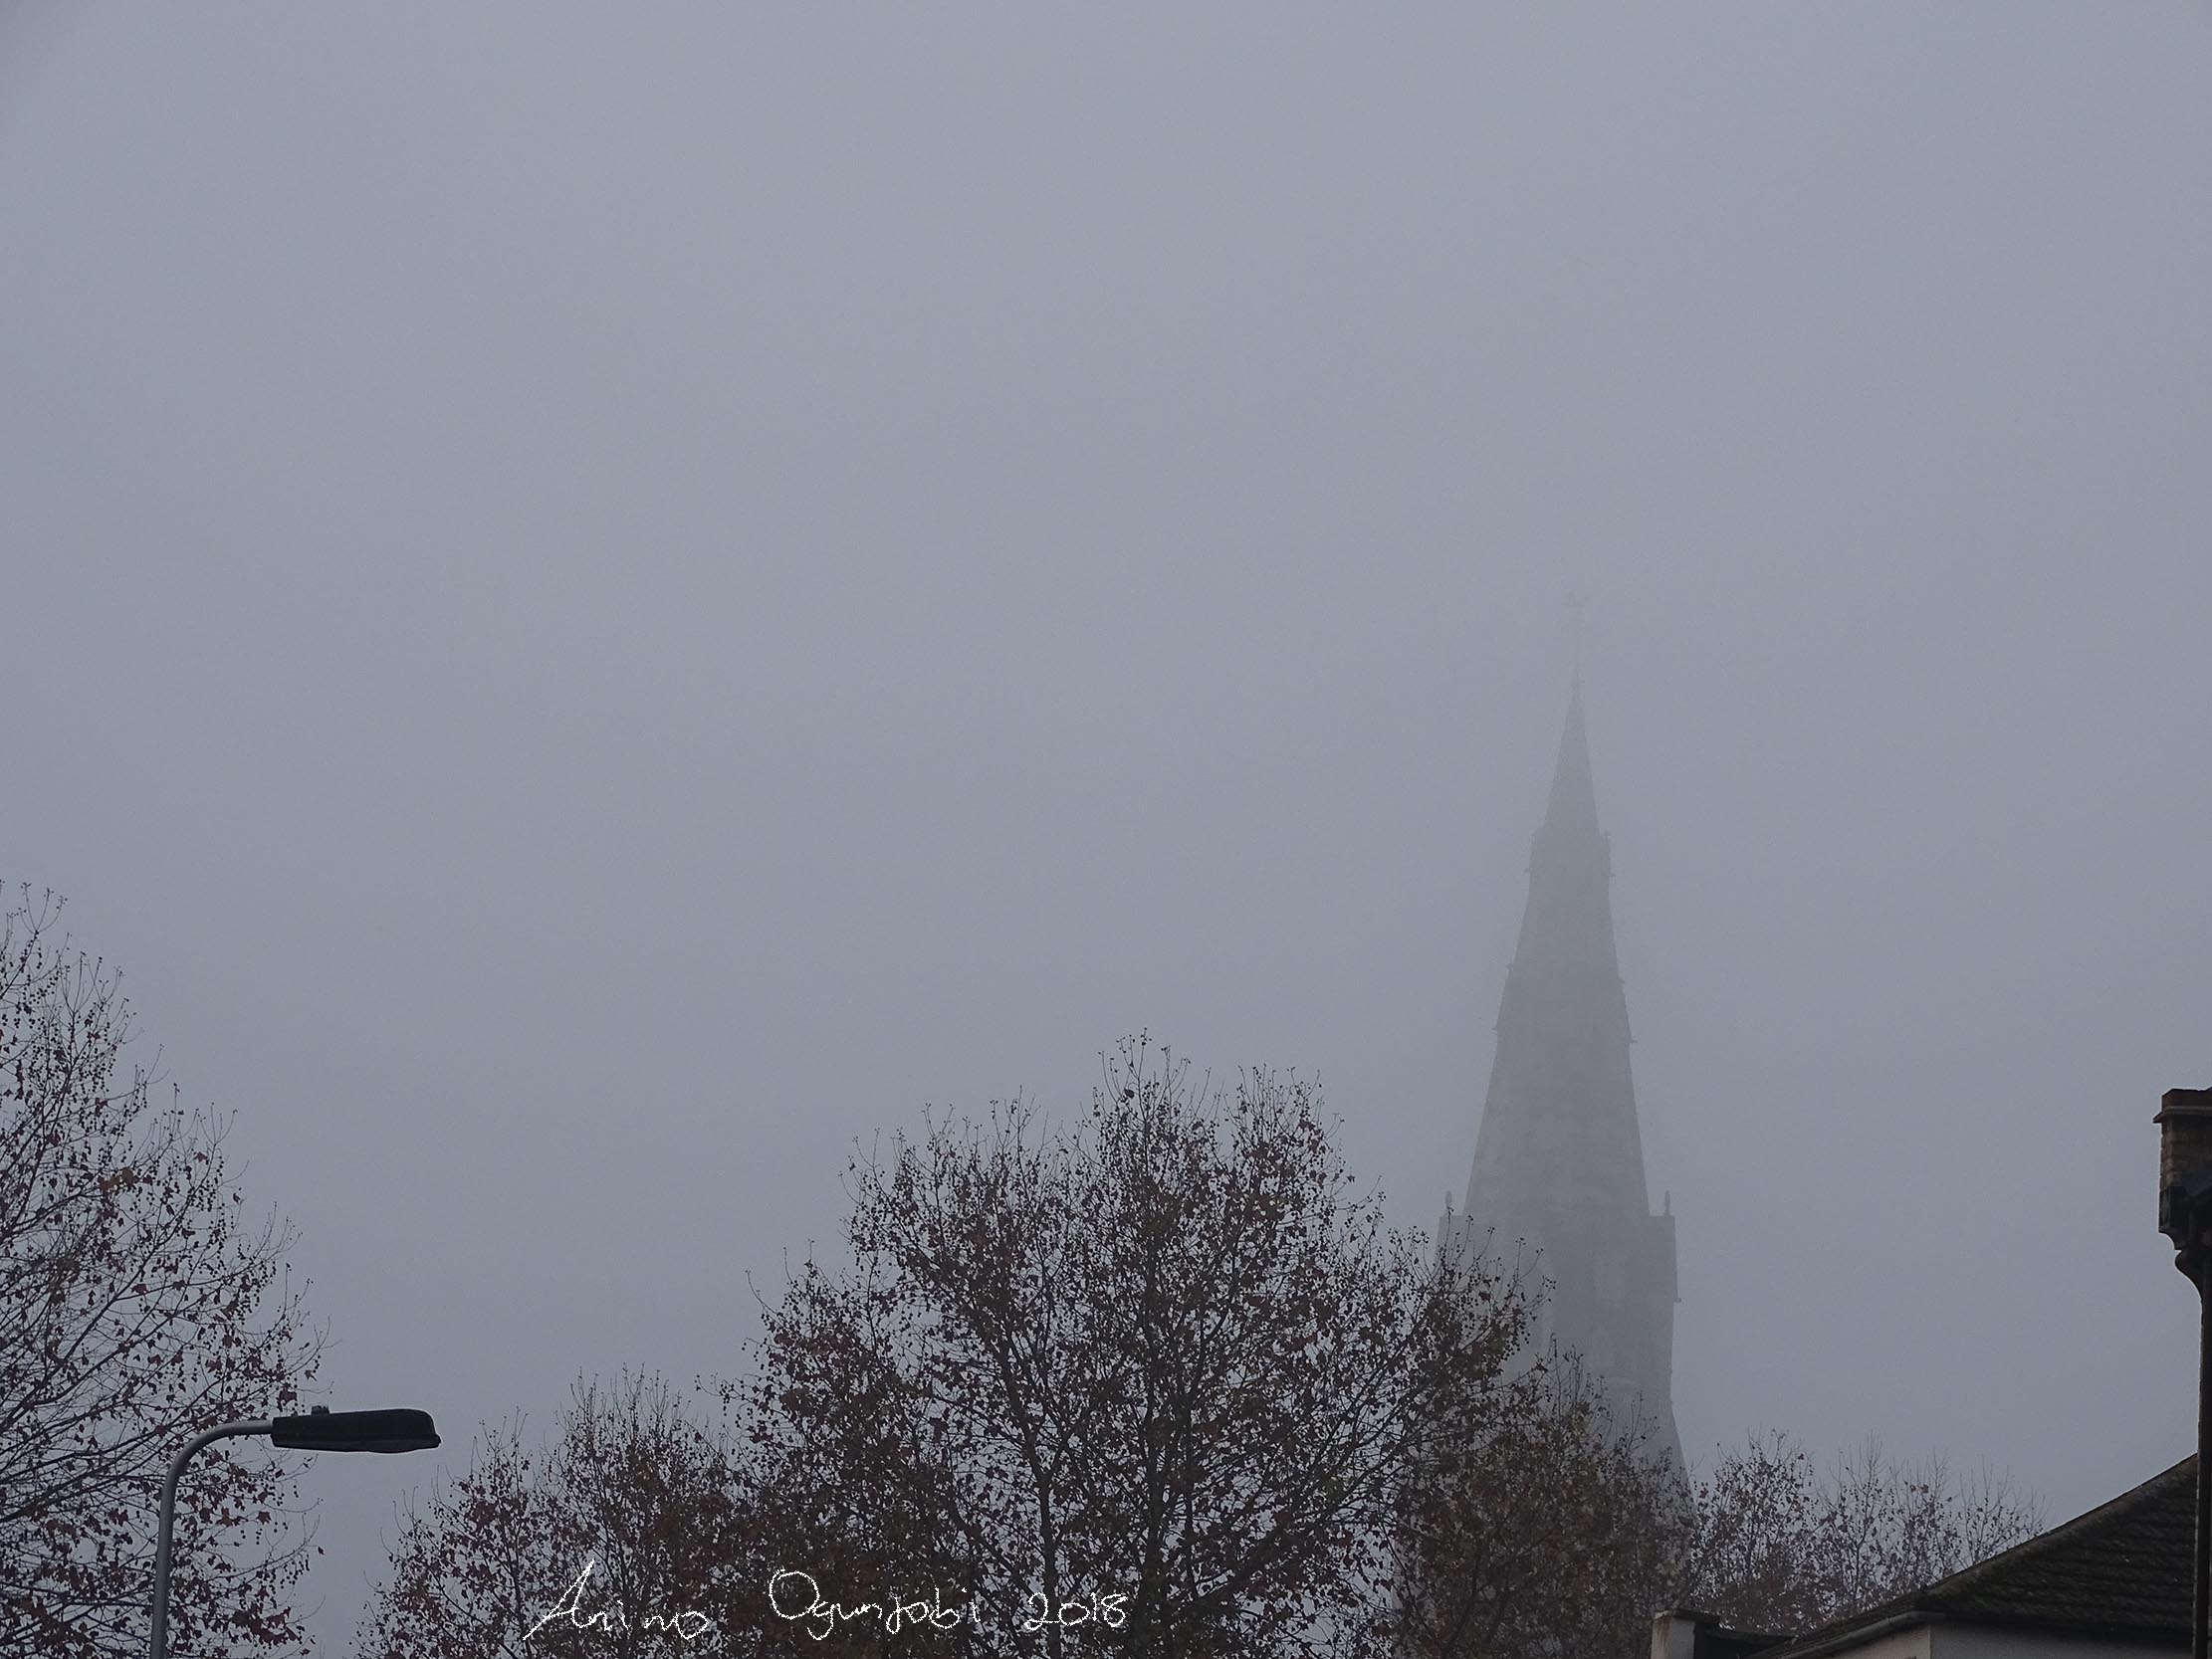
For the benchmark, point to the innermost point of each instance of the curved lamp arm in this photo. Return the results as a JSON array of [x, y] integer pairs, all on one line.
[[161, 1547]]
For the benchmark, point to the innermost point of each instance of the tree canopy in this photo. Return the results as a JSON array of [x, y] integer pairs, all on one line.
[[138, 1305], [1165, 1356], [1158, 1380]]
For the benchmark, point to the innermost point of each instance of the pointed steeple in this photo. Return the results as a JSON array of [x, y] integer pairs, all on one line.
[[1574, 794], [1559, 1160]]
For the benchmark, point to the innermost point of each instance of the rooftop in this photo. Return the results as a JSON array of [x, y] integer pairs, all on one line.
[[2124, 1570]]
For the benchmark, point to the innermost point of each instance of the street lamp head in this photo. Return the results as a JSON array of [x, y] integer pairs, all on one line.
[[2184, 1164], [325, 1430]]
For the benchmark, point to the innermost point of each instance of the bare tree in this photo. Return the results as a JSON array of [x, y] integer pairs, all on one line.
[[1776, 1545], [1151, 1380], [1548, 1528], [1558, 1531], [623, 1536], [138, 1305]]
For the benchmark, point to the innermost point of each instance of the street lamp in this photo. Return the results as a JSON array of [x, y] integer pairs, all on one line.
[[322, 1430], [2185, 1216]]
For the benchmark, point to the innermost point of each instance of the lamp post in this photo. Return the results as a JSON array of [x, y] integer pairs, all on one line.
[[322, 1430], [2185, 1216]]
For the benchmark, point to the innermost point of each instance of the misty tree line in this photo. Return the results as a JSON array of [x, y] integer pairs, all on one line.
[[1157, 1381]]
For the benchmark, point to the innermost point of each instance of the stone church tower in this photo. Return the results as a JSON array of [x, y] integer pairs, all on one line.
[[1558, 1180]]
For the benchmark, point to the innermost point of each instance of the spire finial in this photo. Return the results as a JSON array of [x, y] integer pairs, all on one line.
[[1577, 603]]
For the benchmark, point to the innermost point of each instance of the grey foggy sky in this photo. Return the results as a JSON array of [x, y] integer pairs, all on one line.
[[597, 603]]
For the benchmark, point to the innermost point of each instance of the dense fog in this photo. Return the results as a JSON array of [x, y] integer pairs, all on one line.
[[600, 603]]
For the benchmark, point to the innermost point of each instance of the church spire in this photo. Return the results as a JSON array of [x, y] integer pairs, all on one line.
[[1574, 794], [1559, 1158], [1574, 797]]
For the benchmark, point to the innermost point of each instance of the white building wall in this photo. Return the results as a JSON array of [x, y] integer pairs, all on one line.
[[1913, 1643], [1673, 1637], [1966, 1641]]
